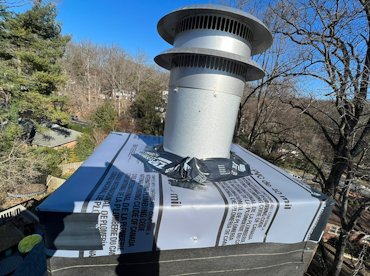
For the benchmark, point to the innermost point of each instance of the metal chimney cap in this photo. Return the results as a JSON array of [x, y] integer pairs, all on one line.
[[262, 37], [254, 72]]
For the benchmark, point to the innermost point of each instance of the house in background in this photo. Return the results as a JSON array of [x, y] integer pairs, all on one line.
[[56, 137], [360, 234]]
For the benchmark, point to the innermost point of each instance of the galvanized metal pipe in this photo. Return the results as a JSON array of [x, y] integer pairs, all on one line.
[[209, 64]]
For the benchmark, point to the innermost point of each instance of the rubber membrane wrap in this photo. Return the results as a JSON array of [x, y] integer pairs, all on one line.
[[192, 169]]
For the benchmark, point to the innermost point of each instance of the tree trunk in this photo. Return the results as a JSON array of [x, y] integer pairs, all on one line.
[[338, 167], [88, 85], [237, 124], [324, 258], [339, 253]]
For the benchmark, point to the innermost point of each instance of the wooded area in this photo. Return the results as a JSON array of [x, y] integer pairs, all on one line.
[[309, 114]]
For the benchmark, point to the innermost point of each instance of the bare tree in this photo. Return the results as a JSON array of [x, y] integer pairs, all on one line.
[[332, 43], [19, 167], [82, 63], [261, 115]]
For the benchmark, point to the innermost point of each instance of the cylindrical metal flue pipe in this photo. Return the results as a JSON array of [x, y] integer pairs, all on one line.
[[209, 64]]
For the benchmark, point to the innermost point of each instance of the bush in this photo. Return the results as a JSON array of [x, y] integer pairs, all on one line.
[[11, 133], [85, 146], [147, 110], [105, 117], [53, 158]]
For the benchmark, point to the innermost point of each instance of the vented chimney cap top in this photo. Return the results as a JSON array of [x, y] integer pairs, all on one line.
[[262, 37]]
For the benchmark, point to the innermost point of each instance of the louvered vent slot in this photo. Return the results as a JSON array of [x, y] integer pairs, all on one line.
[[210, 62], [213, 22]]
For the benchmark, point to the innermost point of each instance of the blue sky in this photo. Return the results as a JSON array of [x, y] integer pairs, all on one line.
[[129, 24], [132, 25]]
